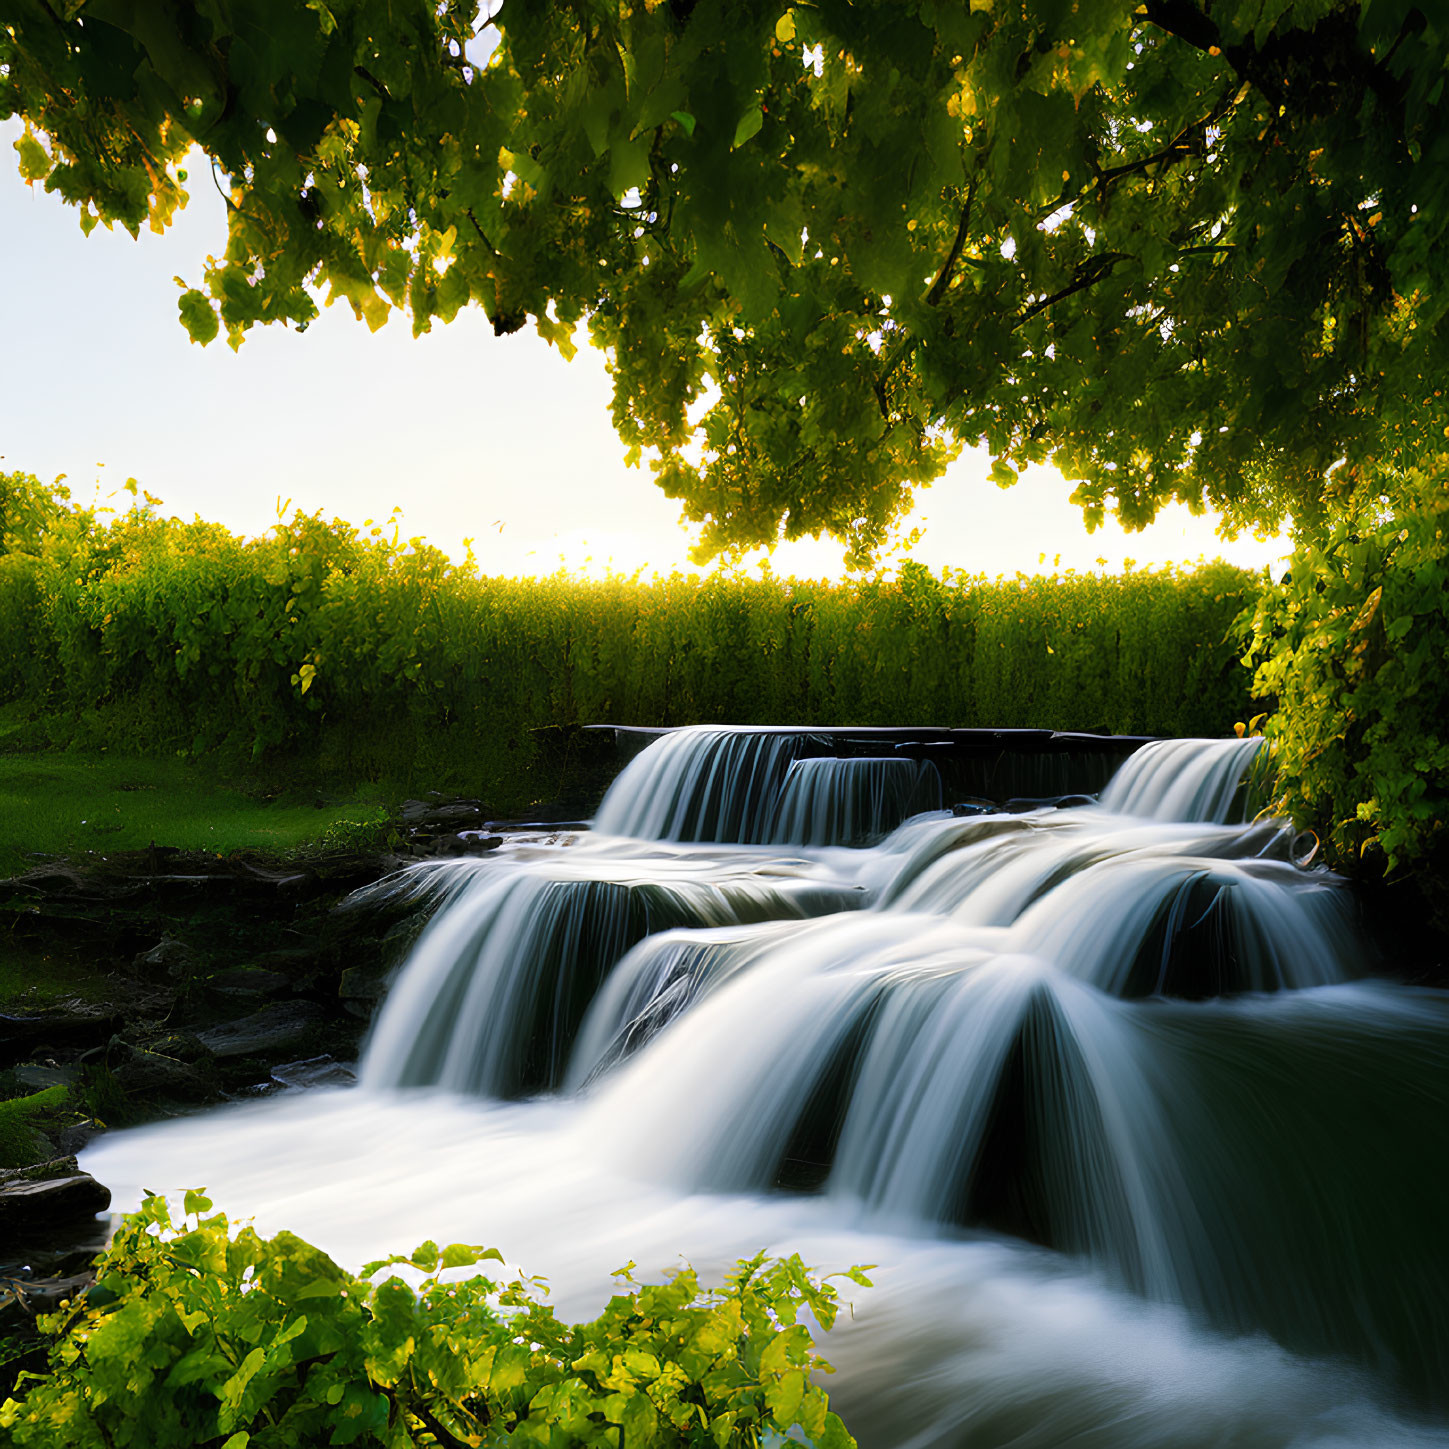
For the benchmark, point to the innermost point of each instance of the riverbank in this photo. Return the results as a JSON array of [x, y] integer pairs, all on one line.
[[144, 984]]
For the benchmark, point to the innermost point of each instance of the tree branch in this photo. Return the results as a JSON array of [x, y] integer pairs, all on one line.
[[963, 230], [372, 80], [468, 212], [1094, 270], [436, 1428]]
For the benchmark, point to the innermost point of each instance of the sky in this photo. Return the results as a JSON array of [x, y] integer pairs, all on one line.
[[471, 436]]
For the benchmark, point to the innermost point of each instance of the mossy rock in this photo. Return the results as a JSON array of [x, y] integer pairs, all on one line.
[[22, 1140]]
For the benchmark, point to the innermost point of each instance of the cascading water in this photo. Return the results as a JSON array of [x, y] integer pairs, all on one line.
[[500, 981], [702, 784], [1182, 779], [825, 801], [657, 981], [1099, 1088]]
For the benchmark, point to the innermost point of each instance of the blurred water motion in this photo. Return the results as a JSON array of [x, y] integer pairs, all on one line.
[[1143, 1163]]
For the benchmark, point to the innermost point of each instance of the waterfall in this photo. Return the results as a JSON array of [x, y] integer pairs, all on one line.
[[500, 981], [702, 784], [1185, 927], [657, 981], [1182, 779], [1147, 1161], [853, 801]]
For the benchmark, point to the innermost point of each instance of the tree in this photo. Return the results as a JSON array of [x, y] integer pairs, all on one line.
[[1183, 248]]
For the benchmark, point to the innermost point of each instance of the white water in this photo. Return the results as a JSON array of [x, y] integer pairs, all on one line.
[[827, 801], [701, 784], [1135, 1040], [1182, 779]]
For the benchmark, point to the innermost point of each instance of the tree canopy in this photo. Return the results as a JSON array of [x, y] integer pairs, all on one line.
[[1182, 248]]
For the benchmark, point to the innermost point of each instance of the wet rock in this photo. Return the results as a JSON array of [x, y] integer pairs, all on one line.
[[273, 1028], [61, 1028], [320, 1071], [300, 968], [247, 981], [184, 1046], [76, 1137], [141, 1073], [37, 1197], [169, 956], [437, 816], [1019, 805], [366, 983], [38, 1076], [469, 843]]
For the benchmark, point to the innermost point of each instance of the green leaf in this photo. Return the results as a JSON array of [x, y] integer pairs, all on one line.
[[198, 317], [34, 159], [784, 1396], [462, 1255], [749, 125], [629, 165], [426, 1257], [637, 1361], [685, 120]]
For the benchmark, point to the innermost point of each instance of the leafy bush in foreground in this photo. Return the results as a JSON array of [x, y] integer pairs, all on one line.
[[203, 1336]]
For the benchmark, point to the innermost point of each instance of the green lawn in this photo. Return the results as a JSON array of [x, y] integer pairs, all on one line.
[[69, 802]]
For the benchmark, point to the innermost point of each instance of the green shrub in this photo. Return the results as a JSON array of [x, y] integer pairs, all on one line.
[[203, 1335], [382, 659], [1353, 645]]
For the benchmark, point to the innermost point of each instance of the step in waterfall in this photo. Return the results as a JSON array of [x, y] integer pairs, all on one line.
[[1148, 1145]]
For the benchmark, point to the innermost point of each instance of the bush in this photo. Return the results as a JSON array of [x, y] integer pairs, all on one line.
[[201, 1335], [381, 659], [1352, 644]]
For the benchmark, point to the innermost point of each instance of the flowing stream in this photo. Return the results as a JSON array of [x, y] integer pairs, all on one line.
[[1147, 1150]]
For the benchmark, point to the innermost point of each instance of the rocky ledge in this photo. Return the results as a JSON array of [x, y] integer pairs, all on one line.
[[145, 985], [149, 984]]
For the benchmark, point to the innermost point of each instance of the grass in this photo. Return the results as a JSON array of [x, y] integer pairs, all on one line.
[[70, 803], [30, 980]]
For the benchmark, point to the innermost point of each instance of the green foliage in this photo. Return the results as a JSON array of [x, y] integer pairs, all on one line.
[[359, 830], [1183, 250], [110, 797], [200, 1334], [1352, 643], [29, 509], [156, 634], [20, 1124]]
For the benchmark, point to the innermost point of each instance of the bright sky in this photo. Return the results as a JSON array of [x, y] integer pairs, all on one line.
[[497, 439]]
